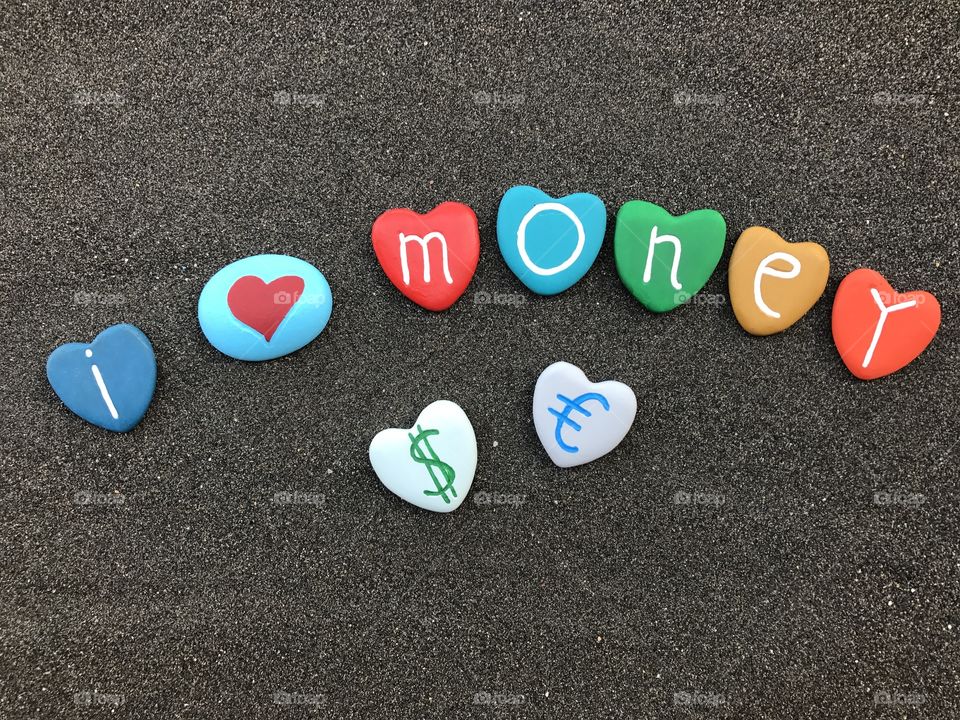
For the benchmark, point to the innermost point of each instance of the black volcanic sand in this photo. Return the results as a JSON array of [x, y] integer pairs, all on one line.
[[144, 151]]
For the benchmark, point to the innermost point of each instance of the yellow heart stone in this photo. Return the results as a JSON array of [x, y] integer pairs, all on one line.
[[773, 283]]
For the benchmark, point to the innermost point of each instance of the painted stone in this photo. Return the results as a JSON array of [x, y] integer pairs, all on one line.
[[263, 307], [665, 260], [878, 330], [109, 382], [430, 258], [432, 464], [773, 283], [549, 243], [577, 420]]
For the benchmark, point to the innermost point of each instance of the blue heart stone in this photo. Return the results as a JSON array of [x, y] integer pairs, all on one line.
[[109, 382], [549, 243]]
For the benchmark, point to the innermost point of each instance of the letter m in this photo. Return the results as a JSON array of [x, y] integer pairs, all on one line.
[[423, 242]]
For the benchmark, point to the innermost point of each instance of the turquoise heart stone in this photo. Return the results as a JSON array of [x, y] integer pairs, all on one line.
[[549, 243]]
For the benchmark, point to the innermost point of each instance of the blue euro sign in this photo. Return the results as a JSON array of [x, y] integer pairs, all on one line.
[[563, 416]]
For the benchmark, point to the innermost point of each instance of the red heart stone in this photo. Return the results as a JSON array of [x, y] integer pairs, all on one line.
[[430, 258], [263, 306], [877, 330]]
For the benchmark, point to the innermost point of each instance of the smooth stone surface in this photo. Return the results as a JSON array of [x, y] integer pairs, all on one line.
[[264, 306], [432, 464], [577, 420], [109, 382], [549, 243], [878, 330], [774, 283], [686, 250], [430, 258]]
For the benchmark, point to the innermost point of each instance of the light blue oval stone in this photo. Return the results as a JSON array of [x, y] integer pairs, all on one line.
[[306, 315]]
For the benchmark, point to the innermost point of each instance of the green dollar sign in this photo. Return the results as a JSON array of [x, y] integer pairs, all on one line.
[[422, 453]]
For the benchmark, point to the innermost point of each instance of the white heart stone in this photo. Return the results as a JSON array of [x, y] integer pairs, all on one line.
[[432, 464], [578, 420]]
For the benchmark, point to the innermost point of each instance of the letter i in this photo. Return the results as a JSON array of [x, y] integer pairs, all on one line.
[[103, 388]]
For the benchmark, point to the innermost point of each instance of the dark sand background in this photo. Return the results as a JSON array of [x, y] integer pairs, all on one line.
[[144, 149]]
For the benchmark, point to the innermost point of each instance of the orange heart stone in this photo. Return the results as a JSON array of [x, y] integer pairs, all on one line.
[[773, 283]]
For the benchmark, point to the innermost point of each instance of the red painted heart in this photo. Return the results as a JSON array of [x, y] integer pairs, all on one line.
[[877, 330], [430, 258], [263, 306]]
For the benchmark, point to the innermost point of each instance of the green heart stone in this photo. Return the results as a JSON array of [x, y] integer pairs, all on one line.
[[685, 252]]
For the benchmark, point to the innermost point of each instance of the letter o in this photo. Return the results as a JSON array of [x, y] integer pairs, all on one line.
[[522, 238]]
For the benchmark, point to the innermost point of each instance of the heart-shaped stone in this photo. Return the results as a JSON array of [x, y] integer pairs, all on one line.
[[430, 258], [577, 420], [549, 243], [109, 382], [665, 260], [432, 464], [773, 283], [878, 330], [263, 307]]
